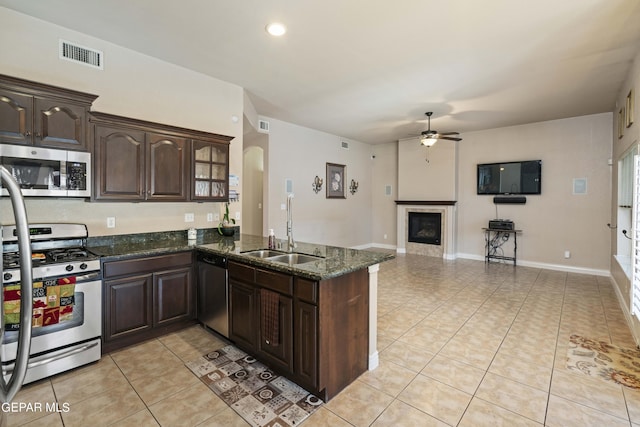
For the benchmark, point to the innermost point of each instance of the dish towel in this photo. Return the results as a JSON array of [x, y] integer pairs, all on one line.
[[53, 302], [270, 316]]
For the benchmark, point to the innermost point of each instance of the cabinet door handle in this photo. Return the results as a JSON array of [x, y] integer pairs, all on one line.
[[267, 341], [38, 135], [27, 133]]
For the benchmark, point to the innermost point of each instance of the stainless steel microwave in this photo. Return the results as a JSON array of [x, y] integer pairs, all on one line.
[[48, 172]]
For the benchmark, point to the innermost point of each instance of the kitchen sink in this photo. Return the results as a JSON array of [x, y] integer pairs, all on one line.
[[294, 258], [263, 253]]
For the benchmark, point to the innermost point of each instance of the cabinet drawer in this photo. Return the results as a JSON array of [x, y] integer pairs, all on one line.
[[306, 290], [241, 272], [142, 265], [278, 282]]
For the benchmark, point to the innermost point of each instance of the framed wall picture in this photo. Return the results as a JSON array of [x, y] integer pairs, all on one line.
[[336, 181], [621, 120], [628, 111]]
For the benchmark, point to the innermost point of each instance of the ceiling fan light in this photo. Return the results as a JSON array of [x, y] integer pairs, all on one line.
[[428, 141]]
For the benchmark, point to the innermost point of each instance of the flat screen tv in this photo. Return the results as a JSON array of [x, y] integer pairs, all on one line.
[[510, 177]]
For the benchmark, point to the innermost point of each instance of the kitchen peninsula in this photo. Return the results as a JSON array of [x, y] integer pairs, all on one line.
[[327, 305]]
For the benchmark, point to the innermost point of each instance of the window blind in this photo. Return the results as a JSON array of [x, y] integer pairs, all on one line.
[[635, 233], [625, 181]]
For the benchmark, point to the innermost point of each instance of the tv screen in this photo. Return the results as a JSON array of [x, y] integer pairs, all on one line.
[[510, 177]]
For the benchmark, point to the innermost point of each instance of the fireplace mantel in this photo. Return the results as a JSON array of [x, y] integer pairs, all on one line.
[[427, 202]]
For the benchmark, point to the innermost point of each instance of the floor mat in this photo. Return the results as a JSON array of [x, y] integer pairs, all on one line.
[[603, 360], [252, 389]]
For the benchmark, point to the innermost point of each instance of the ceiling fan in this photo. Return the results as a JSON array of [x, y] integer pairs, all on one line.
[[429, 137]]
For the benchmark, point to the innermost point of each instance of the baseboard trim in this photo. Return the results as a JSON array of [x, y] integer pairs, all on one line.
[[625, 309], [523, 263], [556, 267], [374, 361]]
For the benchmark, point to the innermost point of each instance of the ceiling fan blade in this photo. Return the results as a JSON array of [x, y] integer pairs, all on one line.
[[450, 138], [450, 133]]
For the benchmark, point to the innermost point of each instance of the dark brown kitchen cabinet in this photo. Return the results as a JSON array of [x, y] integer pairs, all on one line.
[[210, 171], [167, 165], [119, 163], [243, 314], [136, 160], [305, 312], [132, 163], [146, 297], [324, 325], [129, 302], [246, 315], [279, 354], [174, 299], [37, 114]]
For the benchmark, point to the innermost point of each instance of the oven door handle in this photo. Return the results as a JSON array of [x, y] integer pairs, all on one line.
[[88, 277], [9, 368]]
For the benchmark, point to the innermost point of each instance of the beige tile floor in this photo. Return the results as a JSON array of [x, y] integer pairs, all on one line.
[[461, 344]]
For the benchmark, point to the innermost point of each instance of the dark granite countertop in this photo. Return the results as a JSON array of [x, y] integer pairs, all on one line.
[[335, 261]]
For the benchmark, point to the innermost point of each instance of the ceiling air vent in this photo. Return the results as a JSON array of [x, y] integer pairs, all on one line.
[[80, 54], [345, 145], [263, 126]]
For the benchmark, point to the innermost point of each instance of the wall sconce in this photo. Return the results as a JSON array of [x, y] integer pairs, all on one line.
[[353, 187], [317, 184]]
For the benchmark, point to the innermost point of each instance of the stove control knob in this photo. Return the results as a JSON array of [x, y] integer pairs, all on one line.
[[83, 266], [69, 267], [7, 276]]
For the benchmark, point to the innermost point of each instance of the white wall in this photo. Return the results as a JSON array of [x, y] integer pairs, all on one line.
[[630, 138], [556, 220], [426, 173], [132, 85], [385, 174], [299, 154]]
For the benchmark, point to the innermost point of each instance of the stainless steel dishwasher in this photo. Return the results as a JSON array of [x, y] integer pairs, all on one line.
[[213, 292]]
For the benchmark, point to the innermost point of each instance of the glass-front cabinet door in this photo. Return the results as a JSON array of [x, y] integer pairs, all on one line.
[[210, 171]]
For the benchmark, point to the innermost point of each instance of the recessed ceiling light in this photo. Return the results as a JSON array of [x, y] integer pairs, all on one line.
[[276, 29]]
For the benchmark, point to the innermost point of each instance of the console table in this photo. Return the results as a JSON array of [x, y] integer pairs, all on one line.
[[494, 239]]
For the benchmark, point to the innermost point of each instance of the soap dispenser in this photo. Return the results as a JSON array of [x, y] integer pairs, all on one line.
[[272, 239]]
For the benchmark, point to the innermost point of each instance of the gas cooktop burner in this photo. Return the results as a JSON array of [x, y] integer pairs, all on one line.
[[51, 256], [58, 255], [10, 260]]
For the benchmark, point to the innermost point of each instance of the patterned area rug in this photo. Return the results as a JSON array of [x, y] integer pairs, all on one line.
[[603, 360], [253, 390]]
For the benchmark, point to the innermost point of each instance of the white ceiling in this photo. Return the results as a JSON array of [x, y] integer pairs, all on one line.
[[368, 70]]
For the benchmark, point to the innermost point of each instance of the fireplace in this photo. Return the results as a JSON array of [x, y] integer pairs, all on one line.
[[443, 213], [425, 227]]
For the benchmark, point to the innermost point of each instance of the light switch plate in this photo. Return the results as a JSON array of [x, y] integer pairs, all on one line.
[[188, 217]]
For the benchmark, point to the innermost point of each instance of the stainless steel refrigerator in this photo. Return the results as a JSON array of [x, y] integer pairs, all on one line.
[[11, 383]]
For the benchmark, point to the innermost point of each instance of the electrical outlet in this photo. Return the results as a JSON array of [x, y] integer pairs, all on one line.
[[209, 217], [111, 222], [385, 237], [188, 217], [237, 216]]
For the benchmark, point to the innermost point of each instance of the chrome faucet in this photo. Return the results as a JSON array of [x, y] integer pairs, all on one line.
[[291, 244]]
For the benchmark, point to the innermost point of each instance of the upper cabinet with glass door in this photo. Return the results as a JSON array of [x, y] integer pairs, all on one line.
[[210, 166]]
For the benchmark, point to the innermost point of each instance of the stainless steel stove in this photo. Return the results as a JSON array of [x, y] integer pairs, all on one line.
[[67, 305]]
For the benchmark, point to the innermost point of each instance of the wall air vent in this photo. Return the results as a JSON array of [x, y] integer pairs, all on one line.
[[81, 55], [263, 126], [345, 145]]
